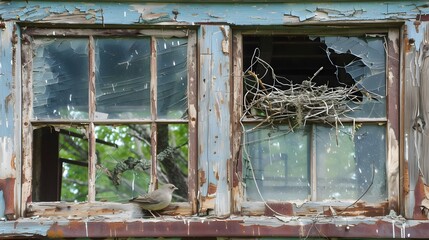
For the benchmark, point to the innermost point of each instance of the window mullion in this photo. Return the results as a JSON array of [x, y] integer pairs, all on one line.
[[192, 119], [313, 164], [92, 158], [154, 128]]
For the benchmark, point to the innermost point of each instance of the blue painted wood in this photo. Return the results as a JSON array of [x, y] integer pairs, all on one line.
[[10, 115], [213, 117], [7, 85], [196, 13]]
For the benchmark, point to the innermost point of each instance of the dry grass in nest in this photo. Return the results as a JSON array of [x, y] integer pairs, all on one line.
[[297, 103]]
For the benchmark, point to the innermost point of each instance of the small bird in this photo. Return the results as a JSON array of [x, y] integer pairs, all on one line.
[[156, 200]]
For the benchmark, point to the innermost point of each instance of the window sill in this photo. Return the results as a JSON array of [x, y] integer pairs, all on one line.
[[327, 208], [234, 226]]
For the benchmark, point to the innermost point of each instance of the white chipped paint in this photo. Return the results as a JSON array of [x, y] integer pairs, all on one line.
[[6, 156]]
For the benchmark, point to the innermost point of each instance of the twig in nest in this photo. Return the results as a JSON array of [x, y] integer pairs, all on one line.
[[285, 101]]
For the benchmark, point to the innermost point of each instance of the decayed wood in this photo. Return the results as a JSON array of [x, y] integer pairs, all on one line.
[[107, 210], [27, 131], [237, 106], [214, 125], [334, 208], [409, 112], [393, 97], [192, 120], [92, 156], [167, 32], [153, 111]]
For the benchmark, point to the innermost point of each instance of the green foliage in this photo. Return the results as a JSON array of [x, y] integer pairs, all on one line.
[[115, 145]]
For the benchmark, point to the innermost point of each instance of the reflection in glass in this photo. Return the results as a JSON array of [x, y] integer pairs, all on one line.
[[60, 79], [172, 77], [280, 160], [123, 162], [122, 78], [347, 161]]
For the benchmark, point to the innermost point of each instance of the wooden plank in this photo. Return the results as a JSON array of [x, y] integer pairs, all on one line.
[[154, 111], [412, 130], [165, 31], [192, 120], [309, 209], [393, 83], [236, 128], [92, 156], [106, 210], [214, 127], [27, 128]]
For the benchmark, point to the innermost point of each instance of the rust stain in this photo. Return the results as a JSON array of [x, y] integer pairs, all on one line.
[[55, 231], [422, 17], [12, 162], [217, 111], [211, 189], [417, 25], [203, 32], [406, 179], [8, 187], [7, 101], [359, 209], [202, 177], [419, 194], [276, 208]]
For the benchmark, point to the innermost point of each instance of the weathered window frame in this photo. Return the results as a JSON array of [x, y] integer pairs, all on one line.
[[392, 130], [28, 125]]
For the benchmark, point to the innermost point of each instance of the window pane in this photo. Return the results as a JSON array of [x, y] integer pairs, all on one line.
[[280, 160], [172, 158], [60, 79], [347, 162], [368, 70], [122, 78], [172, 77], [73, 154], [351, 75], [123, 162]]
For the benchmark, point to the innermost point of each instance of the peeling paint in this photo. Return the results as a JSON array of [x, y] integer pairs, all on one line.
[[237, 14], [7, 165], [245, 226], [216, 130]]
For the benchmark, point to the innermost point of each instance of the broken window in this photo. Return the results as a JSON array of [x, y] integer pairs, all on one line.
[[108, 113], [314, 122]]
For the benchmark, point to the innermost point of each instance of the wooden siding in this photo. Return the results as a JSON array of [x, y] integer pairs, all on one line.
[[217, 116]]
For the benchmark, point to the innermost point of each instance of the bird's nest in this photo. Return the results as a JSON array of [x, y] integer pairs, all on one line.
[[296, 103]]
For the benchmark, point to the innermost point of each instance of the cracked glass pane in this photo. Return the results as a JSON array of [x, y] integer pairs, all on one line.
[[60, 78], [350, 163], [172, 78], [281, 173], [122, 78], [367, 68]]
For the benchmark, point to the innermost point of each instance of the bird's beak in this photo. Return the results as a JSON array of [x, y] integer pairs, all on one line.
[[175, 188]]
